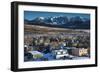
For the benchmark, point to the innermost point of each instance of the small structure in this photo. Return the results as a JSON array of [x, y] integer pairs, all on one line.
[[80, 52], [36, 54], [60, 53]]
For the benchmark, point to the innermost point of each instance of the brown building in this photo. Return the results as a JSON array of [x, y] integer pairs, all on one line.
[[80, 52]]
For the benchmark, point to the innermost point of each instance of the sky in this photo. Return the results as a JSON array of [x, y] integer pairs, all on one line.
[[31, 15]]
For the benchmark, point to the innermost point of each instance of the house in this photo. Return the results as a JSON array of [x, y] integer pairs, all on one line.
[[62, 54], [36, 54], [80, 52]]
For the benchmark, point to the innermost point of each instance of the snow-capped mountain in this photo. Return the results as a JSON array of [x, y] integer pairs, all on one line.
[[61, 21], [56, 20]]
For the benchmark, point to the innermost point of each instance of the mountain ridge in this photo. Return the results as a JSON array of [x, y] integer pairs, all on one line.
[[76, 22]]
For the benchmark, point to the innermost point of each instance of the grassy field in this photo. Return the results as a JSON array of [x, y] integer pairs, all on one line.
[[44, 29]]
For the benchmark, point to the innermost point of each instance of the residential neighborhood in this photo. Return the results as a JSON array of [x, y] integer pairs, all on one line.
[[57, 45]]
